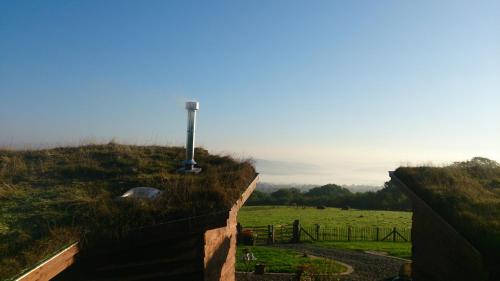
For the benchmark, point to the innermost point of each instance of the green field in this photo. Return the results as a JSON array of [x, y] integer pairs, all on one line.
[[276, 215], [334, 217], [288, 261]]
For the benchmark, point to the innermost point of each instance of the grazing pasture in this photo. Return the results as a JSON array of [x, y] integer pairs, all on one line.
[[328, 217], [334, 218]]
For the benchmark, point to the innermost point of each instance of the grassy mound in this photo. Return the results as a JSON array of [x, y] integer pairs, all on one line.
[[467, 195], [52, 197]]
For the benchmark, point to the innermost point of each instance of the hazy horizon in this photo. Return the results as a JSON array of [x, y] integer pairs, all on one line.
[[327, 91], [276, 171]]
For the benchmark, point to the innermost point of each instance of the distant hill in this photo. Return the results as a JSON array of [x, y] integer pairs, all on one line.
[[272, 187], [362, 188], [283, 167], [331, 195]]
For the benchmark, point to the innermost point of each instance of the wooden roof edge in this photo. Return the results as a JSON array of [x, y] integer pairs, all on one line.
[[51, 267], [247, 193]]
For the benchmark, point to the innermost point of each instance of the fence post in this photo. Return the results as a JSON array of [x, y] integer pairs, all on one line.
[[296, 232], [272, 229], [239, 229], [270, 234], [317, 232], [378, 231], [394, 234], [348, 233]]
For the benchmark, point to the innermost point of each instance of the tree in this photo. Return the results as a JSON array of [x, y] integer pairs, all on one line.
[[259, 198], [328, 190], [286, 196]]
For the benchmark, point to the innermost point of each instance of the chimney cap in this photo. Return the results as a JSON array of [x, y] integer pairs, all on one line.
[[192, 105]]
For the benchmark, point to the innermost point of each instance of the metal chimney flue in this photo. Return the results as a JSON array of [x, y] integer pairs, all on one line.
[[189, 163]]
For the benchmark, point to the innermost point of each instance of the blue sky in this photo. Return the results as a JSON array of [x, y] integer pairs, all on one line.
[[348, 89]]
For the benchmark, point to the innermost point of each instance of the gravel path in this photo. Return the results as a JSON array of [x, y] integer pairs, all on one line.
[[367, 267]]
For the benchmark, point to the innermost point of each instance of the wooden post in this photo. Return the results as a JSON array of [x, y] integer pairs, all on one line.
[[378, 231], [270, 234], [317, 232], [348, 233], [296, 232], [239, 229], [273, 234], [394, 234]]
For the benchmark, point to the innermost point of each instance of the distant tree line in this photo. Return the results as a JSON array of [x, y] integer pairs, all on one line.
[[332, 195]]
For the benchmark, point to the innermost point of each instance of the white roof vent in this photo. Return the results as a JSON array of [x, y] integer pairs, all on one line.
[[142, 192]]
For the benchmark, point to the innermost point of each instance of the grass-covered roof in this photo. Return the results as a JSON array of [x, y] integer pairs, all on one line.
[[466, 195], [51, 197]]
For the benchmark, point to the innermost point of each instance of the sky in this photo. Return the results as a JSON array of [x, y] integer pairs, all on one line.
[[329, 91]]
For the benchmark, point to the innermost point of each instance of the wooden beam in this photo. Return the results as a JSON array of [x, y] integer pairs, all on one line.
[[53, 266]]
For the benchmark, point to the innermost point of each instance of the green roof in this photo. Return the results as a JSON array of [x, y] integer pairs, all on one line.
[[52, 197], [466, 195]]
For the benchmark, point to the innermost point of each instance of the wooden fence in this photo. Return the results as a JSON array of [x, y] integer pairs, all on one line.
[[272, 234], [349, 233]]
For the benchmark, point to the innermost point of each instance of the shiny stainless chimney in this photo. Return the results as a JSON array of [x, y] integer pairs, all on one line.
[[189, 163]]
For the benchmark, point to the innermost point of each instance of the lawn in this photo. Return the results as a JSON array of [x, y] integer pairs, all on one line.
[[286, 261], [395, 249], [333, 217]]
